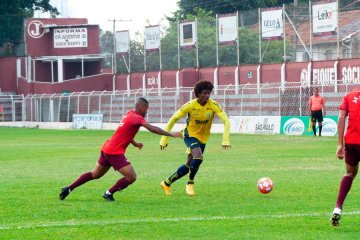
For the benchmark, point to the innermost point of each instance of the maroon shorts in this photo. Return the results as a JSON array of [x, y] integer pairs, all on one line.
[[352, 155], [116, 161]]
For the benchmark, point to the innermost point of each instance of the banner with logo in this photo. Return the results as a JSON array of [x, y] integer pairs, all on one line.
[[272, 24], [187, 34], [70, 37], [227, 29], [122, 39], [152, 37], [87, 121], [325, 19], [302, 125], [255, 124]]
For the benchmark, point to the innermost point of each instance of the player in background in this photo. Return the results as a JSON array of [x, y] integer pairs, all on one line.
[[113, 150], [350, 107], [200, 113], [316, 110]]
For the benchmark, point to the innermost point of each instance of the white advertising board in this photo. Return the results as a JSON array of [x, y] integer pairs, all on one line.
[[255, 124], [152, 37], [272, 24], [227, 29], [325, 20], [87, 121], [122, 39]]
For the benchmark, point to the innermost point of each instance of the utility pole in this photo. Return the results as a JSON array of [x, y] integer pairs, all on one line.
[[114, 38], [295, 39]]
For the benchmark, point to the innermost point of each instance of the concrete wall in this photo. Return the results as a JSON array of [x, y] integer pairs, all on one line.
[[8, 74]]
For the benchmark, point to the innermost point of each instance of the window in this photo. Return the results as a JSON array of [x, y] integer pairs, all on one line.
[[328, 55]]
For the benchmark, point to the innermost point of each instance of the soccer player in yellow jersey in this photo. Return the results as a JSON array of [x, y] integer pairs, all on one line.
[[200, 113]]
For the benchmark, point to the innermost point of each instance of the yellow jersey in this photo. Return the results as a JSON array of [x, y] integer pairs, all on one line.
[[199, 120]]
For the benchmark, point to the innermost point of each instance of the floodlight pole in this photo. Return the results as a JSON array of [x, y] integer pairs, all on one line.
[[311, 30], [114, 38], [260, 36], [217, 40]]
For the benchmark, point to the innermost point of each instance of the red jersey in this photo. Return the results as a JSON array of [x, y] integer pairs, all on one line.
[[316, 103], [124, 134], [351, 104]]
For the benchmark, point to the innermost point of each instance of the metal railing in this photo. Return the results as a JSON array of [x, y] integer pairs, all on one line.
[[268, 99]]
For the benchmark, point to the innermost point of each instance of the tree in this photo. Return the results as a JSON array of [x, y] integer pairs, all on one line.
[[225, 6], [12, 15]]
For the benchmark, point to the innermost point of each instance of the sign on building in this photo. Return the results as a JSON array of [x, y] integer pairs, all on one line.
[[70, 37]]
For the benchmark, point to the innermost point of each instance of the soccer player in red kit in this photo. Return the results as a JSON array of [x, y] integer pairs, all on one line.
[[113, 150], [350, 106]]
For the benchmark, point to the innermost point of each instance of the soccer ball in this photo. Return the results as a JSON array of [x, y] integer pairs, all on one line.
[[265, 185]]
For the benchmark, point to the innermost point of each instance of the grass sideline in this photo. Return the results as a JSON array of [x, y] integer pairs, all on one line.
[[36, 163]]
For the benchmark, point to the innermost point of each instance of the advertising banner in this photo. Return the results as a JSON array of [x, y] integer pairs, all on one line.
[[302, 125], [122, 39], [255, 124], [227, 29], [272, 24], [70, 37], [87, 121], [152, 37], [187, 34], [325, 20]]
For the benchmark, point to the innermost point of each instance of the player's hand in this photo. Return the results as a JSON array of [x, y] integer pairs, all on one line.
[[176, 134], [324, 113], [139, 145], [226, 146], [162, 147], [340, 152]]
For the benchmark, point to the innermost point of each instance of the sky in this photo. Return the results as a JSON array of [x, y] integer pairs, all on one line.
[[100, 11]]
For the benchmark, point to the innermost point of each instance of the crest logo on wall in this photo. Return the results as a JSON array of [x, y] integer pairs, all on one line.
[[35, 29]]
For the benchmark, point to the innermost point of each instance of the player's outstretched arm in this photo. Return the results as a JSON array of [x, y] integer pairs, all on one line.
[[178, 115], [157, 130], [139, 145], [226, 135]]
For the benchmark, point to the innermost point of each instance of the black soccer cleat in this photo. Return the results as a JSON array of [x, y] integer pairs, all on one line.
[[65, 191], [334, 220], [108, 197]]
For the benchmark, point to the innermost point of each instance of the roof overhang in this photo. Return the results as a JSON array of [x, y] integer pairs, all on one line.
[[68, 26], [72, 58]]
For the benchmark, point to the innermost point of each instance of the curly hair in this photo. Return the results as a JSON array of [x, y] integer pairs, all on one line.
[[201, 86]]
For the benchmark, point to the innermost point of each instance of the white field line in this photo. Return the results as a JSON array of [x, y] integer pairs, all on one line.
[[155, 220]]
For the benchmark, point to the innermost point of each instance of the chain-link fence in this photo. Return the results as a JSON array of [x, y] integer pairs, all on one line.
[[12, 108], [246, 100]]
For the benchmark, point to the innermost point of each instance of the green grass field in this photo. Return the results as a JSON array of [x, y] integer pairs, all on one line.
[[36, 163]]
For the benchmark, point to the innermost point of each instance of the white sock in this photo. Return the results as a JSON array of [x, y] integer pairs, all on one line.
[[108, 193], [337, 211]]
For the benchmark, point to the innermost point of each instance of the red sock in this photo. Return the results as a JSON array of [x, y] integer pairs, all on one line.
[[81, 180], [345, 186], [119, 185]]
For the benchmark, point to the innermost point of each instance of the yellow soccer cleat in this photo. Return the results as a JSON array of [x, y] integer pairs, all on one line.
[[167, 189], [190, 189]]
